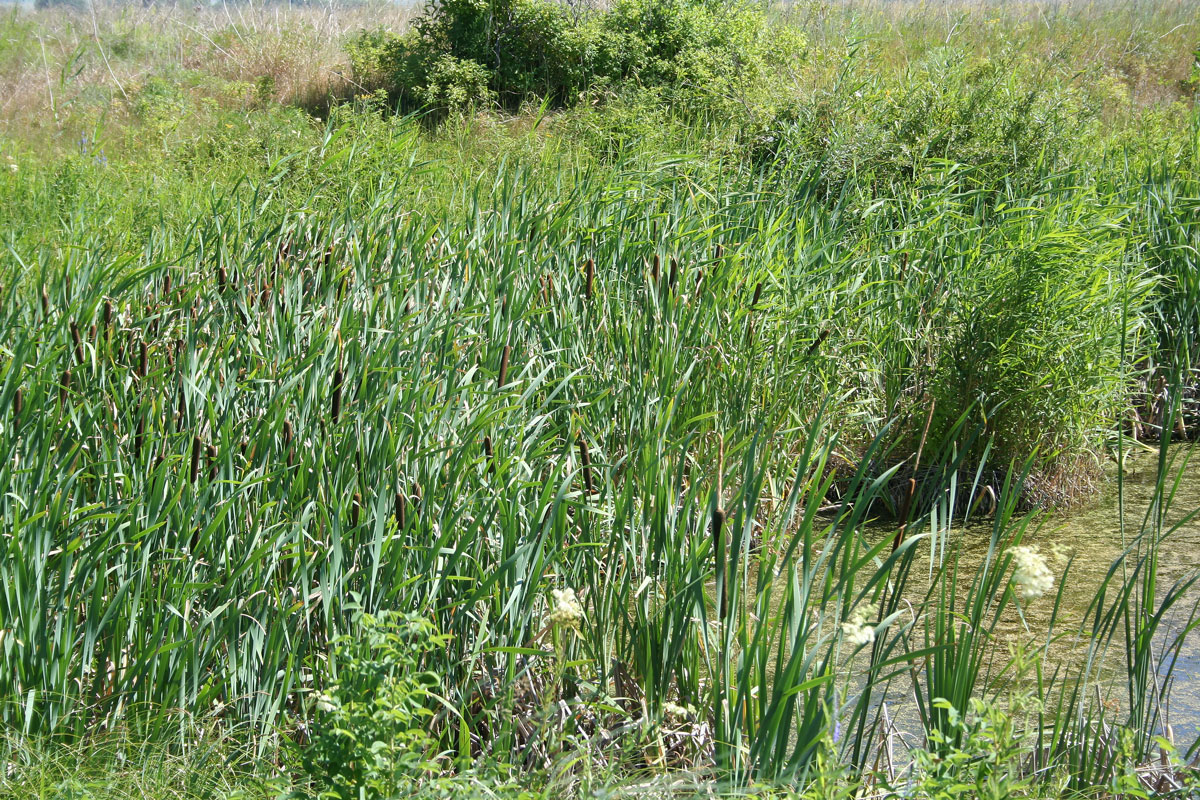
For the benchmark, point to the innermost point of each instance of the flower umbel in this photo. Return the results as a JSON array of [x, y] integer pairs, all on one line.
[[857, 628], [1031, 576], [565, 609]]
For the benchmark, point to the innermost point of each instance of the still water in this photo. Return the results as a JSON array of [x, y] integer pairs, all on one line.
[[1094, 538]]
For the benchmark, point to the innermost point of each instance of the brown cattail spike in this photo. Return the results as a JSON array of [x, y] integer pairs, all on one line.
[[108, 317], [139, 436], [355, 509], [77, 340], [718, 526], [503, 379], [654, 268], [336, 410], [400, 504], [222, 279], [487, 450], [586, 459], [143, 360], [195, 470], [589, 272], [674, 272], [64, 387], [18, 404], [212, 462]]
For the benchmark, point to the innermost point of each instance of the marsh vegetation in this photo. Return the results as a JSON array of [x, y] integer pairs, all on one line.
[[523, 399]]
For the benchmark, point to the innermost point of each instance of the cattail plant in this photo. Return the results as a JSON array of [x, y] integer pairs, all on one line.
[[287, 443], [77, 340], [502, 380], [586, 460], [716, 530], [139, 435], [63, 387], [194, 472], [589, 272], [336, 403], [213, 466], [17, 404]]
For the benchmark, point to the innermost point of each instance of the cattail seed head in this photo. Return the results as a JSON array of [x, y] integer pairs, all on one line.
[[586, 459], [336, 410], [674, 272], [64, 386], [654, 268], [400, 505], [211, 452], [108, 315], [92, 333], [143, 360], [355, 509], [77, 341], [589, 272], [18, 404], [222, 279], [195, 470], [139, 436], [503, 379]]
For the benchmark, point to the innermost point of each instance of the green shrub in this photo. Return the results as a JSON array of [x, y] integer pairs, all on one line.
[[369, 732], [699, 55]]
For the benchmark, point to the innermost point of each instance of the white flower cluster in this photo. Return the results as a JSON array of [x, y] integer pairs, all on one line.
[[1031, 575], [857, 628], [565, 609]]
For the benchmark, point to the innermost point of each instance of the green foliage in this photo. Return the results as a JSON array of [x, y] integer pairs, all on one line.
[[978, 755], [370, 734], [706, 55]]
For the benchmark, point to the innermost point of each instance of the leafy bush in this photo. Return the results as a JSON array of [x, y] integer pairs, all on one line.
[[369, 732], [699, 54]]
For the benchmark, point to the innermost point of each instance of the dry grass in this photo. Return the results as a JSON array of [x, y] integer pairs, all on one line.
[[61, 69]]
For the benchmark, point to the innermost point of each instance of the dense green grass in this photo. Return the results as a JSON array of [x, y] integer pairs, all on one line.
[[269, 380]]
